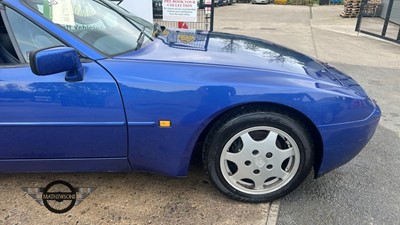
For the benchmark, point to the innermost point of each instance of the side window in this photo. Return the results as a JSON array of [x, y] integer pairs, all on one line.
[[29, 36]]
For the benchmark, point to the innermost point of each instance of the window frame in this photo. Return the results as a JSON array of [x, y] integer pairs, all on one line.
[[11, 35]]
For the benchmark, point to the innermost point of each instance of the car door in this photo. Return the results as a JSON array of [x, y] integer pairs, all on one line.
[[48, 118]]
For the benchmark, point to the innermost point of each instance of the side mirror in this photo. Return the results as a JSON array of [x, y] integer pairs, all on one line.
[[56, 60]]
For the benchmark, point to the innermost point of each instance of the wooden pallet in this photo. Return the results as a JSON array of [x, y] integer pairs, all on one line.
[[348, 15], [351, 8], [351, 11], [352, 4], [371, 9]]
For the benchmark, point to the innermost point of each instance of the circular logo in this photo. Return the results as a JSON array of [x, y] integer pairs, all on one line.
[[59, 196], [259, 162]]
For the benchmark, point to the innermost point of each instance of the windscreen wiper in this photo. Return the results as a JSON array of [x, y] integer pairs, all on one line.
[[140, 39], [119, 1]]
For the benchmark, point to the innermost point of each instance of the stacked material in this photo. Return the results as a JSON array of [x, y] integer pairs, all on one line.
[[372, 8], [351, 8]]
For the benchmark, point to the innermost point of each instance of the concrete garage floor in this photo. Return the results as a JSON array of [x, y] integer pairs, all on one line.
[[363, 192]]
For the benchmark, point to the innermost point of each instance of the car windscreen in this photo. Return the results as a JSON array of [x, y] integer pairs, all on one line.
[[100, 24]]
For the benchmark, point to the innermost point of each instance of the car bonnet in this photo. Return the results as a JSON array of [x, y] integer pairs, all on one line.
[[222, 49]]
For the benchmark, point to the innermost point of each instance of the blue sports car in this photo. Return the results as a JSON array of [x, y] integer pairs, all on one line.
[[86, 86]]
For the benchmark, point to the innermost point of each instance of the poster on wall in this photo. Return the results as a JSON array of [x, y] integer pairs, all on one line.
[[180, 10]]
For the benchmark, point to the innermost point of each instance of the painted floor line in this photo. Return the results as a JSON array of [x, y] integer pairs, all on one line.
[[265, 211], [273, 213]]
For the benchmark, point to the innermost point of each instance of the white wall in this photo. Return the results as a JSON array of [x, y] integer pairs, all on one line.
[[141, 8]]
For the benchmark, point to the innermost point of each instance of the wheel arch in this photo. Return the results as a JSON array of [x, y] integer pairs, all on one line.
[[196, 157]]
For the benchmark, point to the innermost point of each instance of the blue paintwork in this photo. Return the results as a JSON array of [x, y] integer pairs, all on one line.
[[210, 82], [48, 117], [65, 165], [342, 142], [112, 115]]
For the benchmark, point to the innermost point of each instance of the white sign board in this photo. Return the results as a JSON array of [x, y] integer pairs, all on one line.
[[63, 12], [140, 8], [180, 10]]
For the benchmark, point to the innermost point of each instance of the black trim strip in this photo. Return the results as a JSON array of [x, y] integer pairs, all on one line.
[[11, 35], [387, 19], [379, 36], [398, 35]]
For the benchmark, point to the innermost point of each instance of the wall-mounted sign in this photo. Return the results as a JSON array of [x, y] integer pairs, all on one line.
[[140, 8], [180, 10], [208, 9]]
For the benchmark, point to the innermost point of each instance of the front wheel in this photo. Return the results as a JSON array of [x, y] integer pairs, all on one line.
[[258, 156]]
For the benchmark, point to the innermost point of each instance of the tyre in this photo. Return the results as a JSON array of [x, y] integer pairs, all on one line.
[[258, 156]]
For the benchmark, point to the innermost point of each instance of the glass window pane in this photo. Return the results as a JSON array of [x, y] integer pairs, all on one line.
[[102, 25], [29, 36]]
